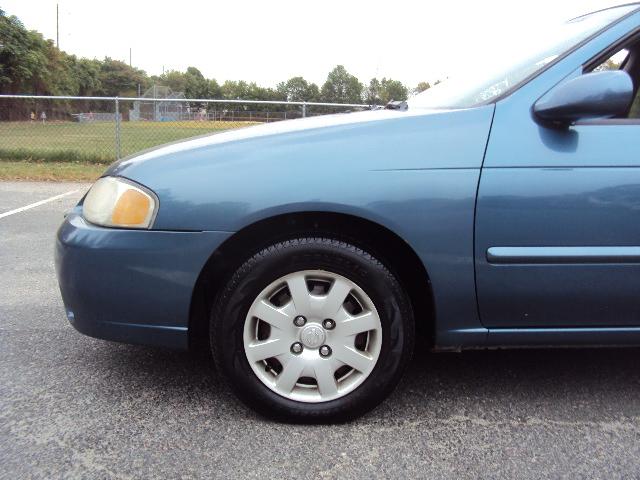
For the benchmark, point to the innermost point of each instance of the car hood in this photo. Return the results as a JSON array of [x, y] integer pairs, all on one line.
[[222, 181], [264, 130]]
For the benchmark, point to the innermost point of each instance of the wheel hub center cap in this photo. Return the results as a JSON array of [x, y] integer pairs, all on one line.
[[312, 336]]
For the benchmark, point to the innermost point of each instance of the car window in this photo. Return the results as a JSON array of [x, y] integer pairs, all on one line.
[[635, 108], [487, 77], [614, 62]]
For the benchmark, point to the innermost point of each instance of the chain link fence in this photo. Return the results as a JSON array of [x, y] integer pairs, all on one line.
[[103, 129]]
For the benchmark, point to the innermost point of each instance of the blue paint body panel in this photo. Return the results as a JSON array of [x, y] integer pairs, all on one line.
[[529, 235], [395, 169], [541, 187], [369, 164], [590, 208], [130, 286]]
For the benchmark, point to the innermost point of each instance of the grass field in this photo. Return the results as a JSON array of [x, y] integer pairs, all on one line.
[[50, 171], [93, 142]]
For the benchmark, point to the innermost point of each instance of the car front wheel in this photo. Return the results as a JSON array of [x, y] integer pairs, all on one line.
[[312, 330]]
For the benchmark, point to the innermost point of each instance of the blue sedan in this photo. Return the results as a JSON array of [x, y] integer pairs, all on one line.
[[497, 212]]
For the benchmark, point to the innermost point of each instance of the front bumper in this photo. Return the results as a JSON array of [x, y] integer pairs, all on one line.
[[132, 286]]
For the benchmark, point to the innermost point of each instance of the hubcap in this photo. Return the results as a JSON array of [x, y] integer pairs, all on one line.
[[320, 359], [312, 336]]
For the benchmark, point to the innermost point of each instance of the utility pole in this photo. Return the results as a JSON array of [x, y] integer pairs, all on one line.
[[57, 29], [129, 56]]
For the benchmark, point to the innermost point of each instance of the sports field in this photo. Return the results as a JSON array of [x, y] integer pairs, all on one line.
[[94, 142]]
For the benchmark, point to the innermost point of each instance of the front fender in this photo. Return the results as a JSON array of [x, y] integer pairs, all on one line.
[[415, 175]]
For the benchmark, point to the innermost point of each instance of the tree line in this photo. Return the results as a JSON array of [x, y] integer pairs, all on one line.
[[31, 64]]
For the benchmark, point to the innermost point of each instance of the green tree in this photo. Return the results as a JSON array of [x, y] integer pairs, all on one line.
[[297, 89], [119, 79], [385, 90], [241, 90], [393, 90], [58, 77], [372, 93], [214, 89], [23, 58], [174, 79], [233, 90], [341, 87], [421, 87], [87, 73], [196, 86], [256, 92]]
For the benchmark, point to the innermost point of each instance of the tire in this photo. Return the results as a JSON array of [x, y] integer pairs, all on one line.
[[375, 300]]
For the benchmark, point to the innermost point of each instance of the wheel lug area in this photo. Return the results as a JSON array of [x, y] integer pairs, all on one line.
[[299, 321], [296, 348], [325, 351], [329, 324]]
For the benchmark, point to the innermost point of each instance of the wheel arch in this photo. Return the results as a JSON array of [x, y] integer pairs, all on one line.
[[391, 249]]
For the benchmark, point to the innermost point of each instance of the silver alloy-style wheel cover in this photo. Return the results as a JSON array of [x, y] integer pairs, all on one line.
[[312, 359]]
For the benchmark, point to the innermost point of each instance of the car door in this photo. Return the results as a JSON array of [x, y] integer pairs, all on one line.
[[557, 239]]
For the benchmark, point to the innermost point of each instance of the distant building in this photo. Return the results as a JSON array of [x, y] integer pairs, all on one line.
[[159, 111]]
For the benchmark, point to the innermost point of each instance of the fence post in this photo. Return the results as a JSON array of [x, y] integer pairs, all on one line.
[[118, 144], [304, 109]]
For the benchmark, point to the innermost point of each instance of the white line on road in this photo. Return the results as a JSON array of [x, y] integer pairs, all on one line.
[[37, 204]]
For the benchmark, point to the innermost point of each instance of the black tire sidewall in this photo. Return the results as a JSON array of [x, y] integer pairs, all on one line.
[[229, 316]]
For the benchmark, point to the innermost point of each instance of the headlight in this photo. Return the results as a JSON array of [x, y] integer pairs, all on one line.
[[115, 202]]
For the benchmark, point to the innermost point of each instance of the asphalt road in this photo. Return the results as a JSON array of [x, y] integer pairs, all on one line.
[[72, 406]]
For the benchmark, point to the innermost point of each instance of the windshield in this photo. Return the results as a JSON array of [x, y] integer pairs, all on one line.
[[485, 82]]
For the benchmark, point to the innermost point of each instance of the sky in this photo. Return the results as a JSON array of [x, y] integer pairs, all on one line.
[[271, 41]]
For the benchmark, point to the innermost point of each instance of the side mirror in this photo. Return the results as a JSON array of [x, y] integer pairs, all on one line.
[[593, 95]]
